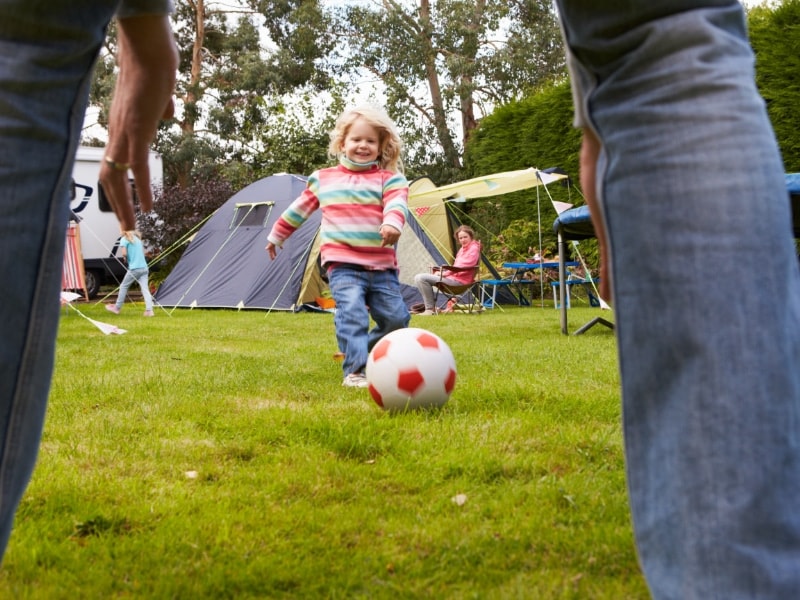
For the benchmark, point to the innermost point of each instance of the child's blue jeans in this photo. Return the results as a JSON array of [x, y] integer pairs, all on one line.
[[359, 295]]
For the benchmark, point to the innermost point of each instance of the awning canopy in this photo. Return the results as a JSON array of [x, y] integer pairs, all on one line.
[[484, 186]]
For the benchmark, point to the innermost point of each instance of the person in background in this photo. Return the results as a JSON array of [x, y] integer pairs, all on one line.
[[364, 202], [681, 169], [132, 250], [468, 255], [47, 54]]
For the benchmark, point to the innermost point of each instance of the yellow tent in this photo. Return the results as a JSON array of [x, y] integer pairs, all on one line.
[[427, 201]]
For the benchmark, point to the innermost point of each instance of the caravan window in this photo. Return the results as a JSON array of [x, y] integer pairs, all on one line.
[[252, 214], [105, 205]]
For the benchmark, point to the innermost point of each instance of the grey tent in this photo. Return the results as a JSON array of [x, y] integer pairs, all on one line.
[[226, 264]]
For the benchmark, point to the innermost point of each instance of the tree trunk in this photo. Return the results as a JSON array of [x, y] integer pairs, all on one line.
[[439, 116]]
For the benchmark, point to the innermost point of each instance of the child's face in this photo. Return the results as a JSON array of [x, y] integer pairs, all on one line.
[[362, 142]]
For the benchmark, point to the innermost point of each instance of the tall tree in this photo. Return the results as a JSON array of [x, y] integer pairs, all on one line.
[[252, 71], [242, 98], [437, 59], [224, 85], [251, 83]]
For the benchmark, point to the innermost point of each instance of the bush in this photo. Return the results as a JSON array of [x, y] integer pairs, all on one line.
[[177, 211]]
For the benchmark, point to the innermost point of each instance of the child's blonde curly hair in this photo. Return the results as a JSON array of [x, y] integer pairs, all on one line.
[[390, 142]]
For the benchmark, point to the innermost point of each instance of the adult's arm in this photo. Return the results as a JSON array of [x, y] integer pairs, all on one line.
[[590, 150], [148, 60]]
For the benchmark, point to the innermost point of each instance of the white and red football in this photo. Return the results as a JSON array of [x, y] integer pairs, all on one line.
[[411, 368]]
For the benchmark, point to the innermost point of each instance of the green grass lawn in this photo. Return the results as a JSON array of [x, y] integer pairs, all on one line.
[[215, 454]]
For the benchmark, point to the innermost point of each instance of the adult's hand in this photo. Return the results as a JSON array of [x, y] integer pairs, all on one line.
[[148, 60], [590, 150]]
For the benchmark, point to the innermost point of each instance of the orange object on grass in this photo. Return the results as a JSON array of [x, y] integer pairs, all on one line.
[[325, 303]]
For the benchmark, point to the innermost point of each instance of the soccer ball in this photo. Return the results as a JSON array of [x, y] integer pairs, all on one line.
[[411, 368]]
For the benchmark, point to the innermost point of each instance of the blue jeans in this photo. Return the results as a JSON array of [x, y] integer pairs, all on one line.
[[140, 277], [691, 191], [354, 291], [47, 50]]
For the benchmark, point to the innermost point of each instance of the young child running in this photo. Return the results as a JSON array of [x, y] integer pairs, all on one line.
[[131, 248], [364, 203]]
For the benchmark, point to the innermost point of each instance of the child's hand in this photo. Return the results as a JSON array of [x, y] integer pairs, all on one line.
[[271, 249], [390, 235]]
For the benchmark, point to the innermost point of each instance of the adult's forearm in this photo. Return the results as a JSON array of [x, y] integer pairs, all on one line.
[[148, 61]]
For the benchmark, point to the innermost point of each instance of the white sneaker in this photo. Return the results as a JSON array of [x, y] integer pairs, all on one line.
[[427, 312], [356, 380]]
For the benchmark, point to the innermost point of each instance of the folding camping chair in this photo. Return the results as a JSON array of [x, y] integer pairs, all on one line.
[[464, 297]]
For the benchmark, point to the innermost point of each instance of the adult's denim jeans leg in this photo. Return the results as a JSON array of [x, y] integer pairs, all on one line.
[[348, 288], [386, 305], [46, 55], [707, 303]]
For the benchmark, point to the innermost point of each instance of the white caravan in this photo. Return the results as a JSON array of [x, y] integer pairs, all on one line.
[[98, 225]]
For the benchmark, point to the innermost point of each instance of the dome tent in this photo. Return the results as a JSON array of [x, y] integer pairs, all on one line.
[[226, 264]]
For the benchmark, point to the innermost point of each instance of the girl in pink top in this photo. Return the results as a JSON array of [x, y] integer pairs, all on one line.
[[469, 255]]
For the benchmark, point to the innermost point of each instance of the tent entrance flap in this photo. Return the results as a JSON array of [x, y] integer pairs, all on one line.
[[313, 284]]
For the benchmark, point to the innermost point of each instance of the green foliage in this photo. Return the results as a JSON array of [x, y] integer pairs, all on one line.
[[187, 158], [243, 107], [449, 57], [535, 132], [775, 37], [104, 79], [297, 137], [304, 35], [242, 100], [183, 460], [514, 242]]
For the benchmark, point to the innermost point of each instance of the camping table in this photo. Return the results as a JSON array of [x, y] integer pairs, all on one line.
[[519, 269]]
